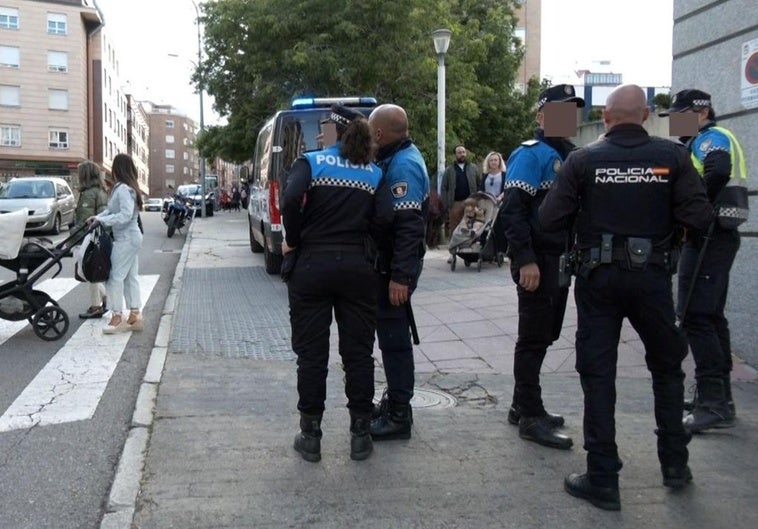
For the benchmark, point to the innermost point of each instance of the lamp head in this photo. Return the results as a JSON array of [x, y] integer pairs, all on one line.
[[441, 40]]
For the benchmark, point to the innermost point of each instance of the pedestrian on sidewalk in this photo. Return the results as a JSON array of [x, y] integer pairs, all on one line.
[[122, 216], [92, 200], [334, 205], [401, 259], [535, 255], [459, 180], [718, 158], [626, 194]]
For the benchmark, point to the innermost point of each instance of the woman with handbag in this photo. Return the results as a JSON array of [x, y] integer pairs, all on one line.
[[92, 200], [121, 215]]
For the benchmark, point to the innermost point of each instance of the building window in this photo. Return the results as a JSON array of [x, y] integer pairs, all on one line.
[[170, 169], [519, 38], [9, 57], [169, 123], [186, 156], [58, 139], [170, 154], [57, 61], [10, 135], [169, 138], [186, 170], [57, 99], [56, 24], [8, 17], [10, 96]]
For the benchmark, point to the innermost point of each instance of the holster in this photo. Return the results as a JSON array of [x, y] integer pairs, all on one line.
[[638, 252]]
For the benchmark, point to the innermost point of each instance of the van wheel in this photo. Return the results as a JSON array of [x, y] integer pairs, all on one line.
[[255, 246], [272, 260], [56, 225]]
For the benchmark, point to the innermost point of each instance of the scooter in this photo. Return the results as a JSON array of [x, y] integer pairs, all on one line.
[[176, 214]]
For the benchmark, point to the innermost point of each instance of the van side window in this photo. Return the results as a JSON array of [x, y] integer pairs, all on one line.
[[261, 164], [293, 142]]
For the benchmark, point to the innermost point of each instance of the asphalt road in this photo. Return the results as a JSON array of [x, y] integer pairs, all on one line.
[[58, 476]]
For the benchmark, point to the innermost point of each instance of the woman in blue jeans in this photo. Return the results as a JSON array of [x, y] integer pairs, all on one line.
[[121, 214]]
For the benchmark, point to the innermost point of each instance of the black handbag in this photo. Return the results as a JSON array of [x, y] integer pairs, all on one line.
[[96, 256]]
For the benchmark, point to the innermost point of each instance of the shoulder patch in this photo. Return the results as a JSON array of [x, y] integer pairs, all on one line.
[[399, 189], [530, 143], [706, 144], [557, 165]]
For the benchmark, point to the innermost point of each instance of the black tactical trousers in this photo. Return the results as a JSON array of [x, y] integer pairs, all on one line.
[[706, 326], [540, 318], [610, 294], [343, 282]]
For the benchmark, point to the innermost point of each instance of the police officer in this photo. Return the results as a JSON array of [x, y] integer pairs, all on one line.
[[718, 158], [334, 202], [626, 193], [401, 258], [532, 167]]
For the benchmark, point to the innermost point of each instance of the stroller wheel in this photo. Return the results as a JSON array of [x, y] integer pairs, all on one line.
[[50, 323], [467, 263], [452, 263], [500, 259], [479, 264]]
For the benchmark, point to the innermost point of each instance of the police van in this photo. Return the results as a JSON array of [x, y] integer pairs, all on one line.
[[283, 137]]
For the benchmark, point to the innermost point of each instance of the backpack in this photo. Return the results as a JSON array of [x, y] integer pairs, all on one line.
[[93, 264]]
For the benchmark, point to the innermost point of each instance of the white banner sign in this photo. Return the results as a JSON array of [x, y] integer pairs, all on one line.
[[749, 74]]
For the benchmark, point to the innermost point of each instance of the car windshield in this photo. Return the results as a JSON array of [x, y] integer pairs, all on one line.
[[28, 189], [188, 190], [154, 201]]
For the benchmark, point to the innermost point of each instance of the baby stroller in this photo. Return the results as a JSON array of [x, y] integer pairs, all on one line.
[[31, 259], [472, 240]]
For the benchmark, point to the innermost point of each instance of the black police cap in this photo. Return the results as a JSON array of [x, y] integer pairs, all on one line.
[[686, 99], [561, 93], [343, 116]]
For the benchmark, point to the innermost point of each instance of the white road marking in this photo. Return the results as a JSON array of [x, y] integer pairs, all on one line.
[[70, 386], [56, 288]]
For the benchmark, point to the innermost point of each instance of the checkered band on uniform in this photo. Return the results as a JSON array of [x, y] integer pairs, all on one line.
[[338, 182], [522, 186], [734, 213], [407, 204]]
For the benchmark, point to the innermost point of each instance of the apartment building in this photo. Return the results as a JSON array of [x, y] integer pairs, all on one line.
[[138, 141], [529, 15], [173, 159]]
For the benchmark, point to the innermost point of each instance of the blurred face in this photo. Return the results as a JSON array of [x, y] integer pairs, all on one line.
[[494, 163], [460, 154]]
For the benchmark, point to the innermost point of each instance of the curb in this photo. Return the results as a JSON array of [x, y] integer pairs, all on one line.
[[122, 499]]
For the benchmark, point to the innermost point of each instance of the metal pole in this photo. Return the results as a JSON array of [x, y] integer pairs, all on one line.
[[440, 118], [202, 120]]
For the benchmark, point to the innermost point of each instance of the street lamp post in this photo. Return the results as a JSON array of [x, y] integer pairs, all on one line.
[[441, 42], [202, 120]]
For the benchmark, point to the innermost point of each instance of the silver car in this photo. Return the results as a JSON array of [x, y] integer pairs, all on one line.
[[49, 199]]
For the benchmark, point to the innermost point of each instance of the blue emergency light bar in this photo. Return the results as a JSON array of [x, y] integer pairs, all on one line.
[[316, 102]]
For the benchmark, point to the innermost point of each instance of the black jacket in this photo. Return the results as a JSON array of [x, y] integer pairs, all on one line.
[[628, 184]]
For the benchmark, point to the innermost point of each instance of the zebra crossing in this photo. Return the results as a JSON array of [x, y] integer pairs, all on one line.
[[69, 387]]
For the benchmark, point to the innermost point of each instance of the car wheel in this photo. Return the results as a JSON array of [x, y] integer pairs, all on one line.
[[56, 229], [255, 246], [272, 260]]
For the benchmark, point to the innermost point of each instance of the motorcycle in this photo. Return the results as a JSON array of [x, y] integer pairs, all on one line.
[[176, 214]]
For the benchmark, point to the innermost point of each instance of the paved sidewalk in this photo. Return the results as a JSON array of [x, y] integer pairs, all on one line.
[[220, 452]]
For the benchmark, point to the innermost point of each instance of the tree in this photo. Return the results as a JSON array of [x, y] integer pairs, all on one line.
[[662, 100], [259, 55]]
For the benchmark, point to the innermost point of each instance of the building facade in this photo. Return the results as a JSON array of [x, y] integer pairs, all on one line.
[[716, 50], [138, 141], [46, 118], [173, 159], [529, 15]]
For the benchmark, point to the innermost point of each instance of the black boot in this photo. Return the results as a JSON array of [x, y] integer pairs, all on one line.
[[394, 423], [676, 477], [712, 410], [579, 486], [514, 414], [360, 438], [308, 441], [539, 430], [381, 407]]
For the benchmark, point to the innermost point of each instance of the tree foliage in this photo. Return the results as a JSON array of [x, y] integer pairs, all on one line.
[[259, 55]]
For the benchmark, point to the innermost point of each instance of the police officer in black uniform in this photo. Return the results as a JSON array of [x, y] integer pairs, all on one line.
[[627, 192], [718, 157], [334, 205], [401, 259], [532, 167]]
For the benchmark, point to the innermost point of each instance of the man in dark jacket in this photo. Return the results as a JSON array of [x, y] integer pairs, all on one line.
[[627, 193], [534, 266], [459, 180]]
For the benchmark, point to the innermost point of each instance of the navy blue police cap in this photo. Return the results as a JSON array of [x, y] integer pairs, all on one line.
[[686, 99], [560, 93], [343, 116]]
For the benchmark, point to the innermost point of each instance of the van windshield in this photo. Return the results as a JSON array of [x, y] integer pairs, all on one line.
[[28, 189]]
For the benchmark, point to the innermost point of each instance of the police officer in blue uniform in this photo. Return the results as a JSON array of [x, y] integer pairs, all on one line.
[[718, 158], [335, 205], [627, 193], [534, 255], [401, 259]]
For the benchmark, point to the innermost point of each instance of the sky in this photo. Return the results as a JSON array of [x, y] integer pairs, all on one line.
[[635, 35]]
